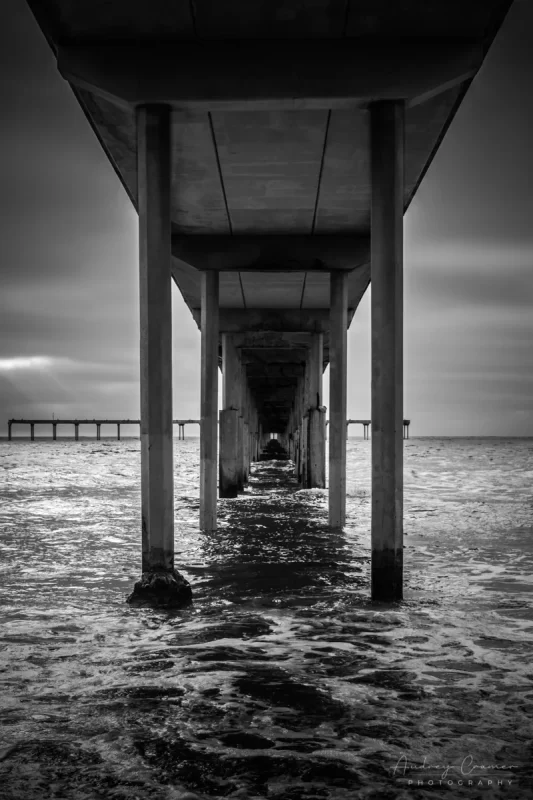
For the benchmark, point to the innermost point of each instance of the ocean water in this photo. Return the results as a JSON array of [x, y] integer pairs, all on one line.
[[282, 680]]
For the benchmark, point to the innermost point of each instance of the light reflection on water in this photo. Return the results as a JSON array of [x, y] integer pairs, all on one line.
[[282, 680]]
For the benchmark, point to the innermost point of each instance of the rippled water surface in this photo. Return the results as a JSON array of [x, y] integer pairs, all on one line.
[[282, 680]]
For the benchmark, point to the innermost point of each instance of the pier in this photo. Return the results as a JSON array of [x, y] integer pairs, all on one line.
[[181, 423], [270, 177]]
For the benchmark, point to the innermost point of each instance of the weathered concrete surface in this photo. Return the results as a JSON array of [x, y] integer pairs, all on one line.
[[230, 455], [161, 588], [229, 482], [209, 403], [337, 402], [387, 349], [157, 478]]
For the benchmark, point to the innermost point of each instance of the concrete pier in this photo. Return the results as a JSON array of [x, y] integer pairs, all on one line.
[[387, 171], [269, 185], [209, 402], [337, 400]]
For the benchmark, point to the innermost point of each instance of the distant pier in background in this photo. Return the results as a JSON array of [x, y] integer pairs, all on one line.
[[366, 423], [98, 422]]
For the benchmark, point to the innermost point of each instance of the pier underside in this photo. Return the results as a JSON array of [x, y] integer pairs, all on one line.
[[271, 150]]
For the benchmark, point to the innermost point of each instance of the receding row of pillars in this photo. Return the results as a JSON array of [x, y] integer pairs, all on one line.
[[239, 418]]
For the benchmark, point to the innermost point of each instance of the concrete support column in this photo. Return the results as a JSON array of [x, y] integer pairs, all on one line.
[[244, 425], [118, 431], [387, 148], [230, 459], [9, 431], [316, 461], [337, 399], [209, 402], [98, 431], [32, 431], [160, 583], [76, 431], [298, 429], [304, 423], [317, 448]]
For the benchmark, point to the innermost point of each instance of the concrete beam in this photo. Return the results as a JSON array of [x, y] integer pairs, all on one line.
[[272, 339], [317, 253], [274, 371], [264, 357], [236, 320], [387, 142], [305, 74]]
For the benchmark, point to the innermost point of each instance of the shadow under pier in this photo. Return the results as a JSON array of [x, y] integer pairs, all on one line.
[[273, 545]]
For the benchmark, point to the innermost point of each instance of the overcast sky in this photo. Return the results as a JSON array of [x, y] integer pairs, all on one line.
[[69, 263]]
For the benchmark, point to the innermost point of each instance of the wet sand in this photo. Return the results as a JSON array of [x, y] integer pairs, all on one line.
[[282, 680]]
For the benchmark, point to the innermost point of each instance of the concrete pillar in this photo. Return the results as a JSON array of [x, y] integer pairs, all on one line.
[[337, 399], [160, 583], [209, 402], [246, 450], [317, 448], [230, 459], [118, 431], [9, 431], [229, 462], [98, 431], [76, 431], [243, 431], [32, 431], [387, 156], [316, 462], [298, 426]]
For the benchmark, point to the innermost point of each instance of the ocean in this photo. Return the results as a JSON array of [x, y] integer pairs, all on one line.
[[282, 680]]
